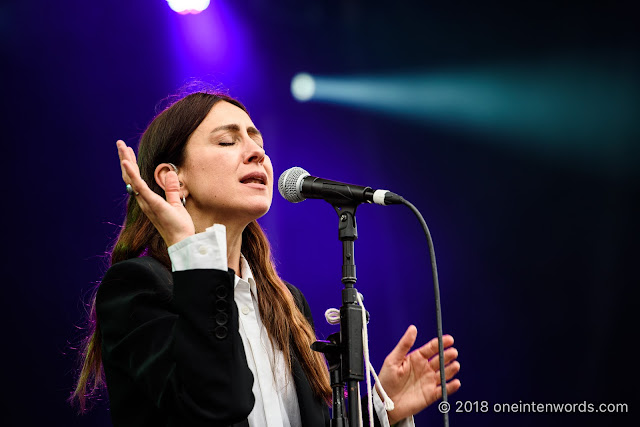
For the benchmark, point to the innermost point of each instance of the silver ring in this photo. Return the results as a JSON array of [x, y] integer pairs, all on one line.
[[130, 190]]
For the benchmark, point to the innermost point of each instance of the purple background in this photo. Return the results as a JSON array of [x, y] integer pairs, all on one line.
[[537, 252]]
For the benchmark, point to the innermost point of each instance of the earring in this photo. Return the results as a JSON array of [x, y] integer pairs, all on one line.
[[184, 200]]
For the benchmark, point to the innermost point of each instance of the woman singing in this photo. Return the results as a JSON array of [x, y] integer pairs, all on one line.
[[192, 326]]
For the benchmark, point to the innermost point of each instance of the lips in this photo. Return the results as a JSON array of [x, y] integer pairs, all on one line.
[[255, 178]]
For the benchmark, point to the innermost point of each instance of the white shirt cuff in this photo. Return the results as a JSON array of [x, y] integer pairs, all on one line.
[[206, 250], [378, 405]]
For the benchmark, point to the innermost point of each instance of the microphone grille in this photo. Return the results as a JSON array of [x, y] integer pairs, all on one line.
[[290, 182]]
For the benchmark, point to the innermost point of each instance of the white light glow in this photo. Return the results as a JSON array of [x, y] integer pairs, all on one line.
[[185, 7], [303, 87]]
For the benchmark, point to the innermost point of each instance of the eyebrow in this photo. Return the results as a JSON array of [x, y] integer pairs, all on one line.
[[235, 128]]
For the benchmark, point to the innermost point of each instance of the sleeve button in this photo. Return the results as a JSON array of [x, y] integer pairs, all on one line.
[[221, 292], [221, 319], [221, 332], [221, 305]]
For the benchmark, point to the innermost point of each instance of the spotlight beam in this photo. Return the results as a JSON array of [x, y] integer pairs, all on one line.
[[557, 104]]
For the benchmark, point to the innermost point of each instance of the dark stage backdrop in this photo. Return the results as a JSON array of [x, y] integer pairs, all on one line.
[[535, 228]]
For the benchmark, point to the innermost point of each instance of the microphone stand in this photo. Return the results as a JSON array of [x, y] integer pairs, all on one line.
[[344, 350]]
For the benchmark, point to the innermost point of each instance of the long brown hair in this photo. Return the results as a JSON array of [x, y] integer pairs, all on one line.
[[164, 141]]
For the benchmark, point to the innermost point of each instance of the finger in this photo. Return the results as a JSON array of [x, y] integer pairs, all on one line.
[[450, 354], [398, 354], [122, 155], [452, 387], [450, 371], [172, 188], [125, 152], [120, 144], [131, 155], [137, 182], [430, 349]]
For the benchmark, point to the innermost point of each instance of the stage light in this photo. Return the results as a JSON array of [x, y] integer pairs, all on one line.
[[585, 111], [185, 7], [303, 87], [560, 105]]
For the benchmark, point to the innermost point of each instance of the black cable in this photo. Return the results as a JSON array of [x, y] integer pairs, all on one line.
[[436, 291]]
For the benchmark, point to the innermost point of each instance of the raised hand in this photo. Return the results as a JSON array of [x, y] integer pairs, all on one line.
[[412, 380], [169, 216]]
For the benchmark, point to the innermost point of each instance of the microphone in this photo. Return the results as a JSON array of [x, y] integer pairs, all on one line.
[[295, 185]]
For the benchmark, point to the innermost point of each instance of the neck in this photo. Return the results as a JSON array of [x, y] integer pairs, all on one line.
[[234, 236], [234, 243]]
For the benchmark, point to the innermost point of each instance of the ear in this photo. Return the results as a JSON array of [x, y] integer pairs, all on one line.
[[160, 175]]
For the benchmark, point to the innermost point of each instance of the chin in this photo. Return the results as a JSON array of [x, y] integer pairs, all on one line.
[[258, 210]]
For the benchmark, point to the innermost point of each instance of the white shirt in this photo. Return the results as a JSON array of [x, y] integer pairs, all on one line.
[[276, 402]]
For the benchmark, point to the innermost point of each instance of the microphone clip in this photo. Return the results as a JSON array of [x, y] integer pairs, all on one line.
[[347, 227]]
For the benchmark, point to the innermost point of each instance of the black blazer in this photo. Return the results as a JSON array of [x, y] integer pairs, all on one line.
[[173, 356]]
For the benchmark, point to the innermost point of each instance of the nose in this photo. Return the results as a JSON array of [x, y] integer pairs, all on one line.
[[253, 152]]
